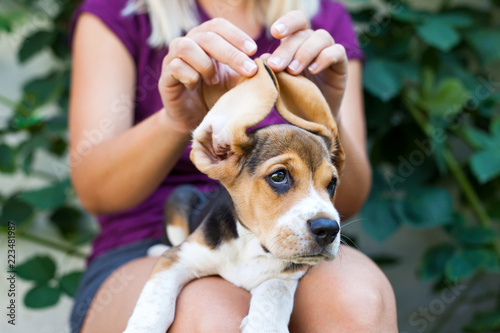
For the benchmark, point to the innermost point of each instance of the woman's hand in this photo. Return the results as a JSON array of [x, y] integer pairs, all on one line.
[[313, 52], [215, 52]]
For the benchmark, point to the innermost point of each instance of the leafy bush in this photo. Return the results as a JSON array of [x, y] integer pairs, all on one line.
[[433, 112], [41, 27]]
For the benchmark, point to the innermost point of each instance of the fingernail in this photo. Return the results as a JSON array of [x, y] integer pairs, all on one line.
[[215, 80], [276, 61], [312, 67], [249, 46], [281, 28], [294, 65], [249, 66]]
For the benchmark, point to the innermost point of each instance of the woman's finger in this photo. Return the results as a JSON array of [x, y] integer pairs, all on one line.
[[289, 24], [283, 55], [334, 57], [191, 53], [223, 51], [178, 71], [309, 50], [231, 33]]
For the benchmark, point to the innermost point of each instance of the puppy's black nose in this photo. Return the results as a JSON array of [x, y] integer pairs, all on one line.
[[323, 231]]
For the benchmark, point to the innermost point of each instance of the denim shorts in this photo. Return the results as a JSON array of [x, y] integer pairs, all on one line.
[[98, 270]]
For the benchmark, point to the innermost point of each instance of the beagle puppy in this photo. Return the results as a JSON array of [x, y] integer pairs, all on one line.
[[274, 217]]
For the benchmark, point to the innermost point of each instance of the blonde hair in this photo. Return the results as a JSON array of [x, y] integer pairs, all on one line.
[[170, 18]]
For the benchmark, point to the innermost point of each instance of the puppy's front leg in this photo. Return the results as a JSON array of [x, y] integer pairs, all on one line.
[[155, 309], [270, 307]]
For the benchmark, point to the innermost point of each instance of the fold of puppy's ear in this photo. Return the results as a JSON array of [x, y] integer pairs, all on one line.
[[302, 104], [221, 140]]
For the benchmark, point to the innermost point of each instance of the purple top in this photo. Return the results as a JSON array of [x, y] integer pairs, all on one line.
[[145, 220]]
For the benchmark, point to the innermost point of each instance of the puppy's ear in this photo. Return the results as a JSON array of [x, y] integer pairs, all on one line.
[[220, 140], [301, 103]]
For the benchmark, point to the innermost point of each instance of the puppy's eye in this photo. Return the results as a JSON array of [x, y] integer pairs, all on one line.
[[280, 181], [331, 186], [279, 177]]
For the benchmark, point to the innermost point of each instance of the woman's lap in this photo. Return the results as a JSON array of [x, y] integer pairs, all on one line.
[[97, 272], [347, 295]]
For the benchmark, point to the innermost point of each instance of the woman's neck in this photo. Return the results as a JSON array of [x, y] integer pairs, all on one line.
[[236, 12]]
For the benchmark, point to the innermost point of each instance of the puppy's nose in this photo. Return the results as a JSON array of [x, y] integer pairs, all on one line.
[[323, 231]]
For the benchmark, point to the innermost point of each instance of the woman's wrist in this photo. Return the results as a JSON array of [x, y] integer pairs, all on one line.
[[173, 129]]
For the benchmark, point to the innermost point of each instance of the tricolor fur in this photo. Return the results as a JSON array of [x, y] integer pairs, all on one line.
[[275, 215]]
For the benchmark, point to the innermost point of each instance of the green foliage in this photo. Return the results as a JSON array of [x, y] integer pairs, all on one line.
[[48, 286], [39, 133], [433, 112]]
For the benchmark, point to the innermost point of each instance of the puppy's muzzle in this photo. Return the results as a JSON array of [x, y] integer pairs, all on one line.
[[323, 231]]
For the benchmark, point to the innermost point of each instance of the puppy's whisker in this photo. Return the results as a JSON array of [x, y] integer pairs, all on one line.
[[350, 222], [346, 244]]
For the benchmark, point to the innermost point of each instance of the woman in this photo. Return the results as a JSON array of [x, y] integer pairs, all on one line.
[[134, 102]]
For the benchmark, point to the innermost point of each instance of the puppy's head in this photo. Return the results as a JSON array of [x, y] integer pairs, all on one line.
[[282, 178]]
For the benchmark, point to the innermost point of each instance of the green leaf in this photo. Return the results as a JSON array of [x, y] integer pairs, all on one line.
[[486, 43], [72, 224], [477, 235], [22, 121], [5, 24], [434, 261], [27, 163], [495, 129], [480, 139], [41, 297], [489, 105], [457, 20], [7, 159], [382, 217], [428, 207], [69, 283], [491, 263], [485, 165], [39, 268], [35, 43], [464, 264], [40, 91], [428, 81], [381, 79], [58, 124], [16, 211], [406, 14], [447, 100], [484, 322], [438, 34], [47, 198]]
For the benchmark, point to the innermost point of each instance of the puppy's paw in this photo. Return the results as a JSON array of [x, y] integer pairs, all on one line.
[[258, 326], [157, 250]]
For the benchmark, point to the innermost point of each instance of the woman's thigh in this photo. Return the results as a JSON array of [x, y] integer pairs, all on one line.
[[347, 295], [203, 303]]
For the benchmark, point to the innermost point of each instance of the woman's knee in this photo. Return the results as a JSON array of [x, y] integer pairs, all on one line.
[[350, 294], [210, 305]]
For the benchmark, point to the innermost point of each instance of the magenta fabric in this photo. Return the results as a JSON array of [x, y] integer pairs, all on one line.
[[145, 220]]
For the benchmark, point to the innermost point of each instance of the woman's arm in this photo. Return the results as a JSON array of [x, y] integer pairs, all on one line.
[[126, 163], [114, 166], [356, 180]]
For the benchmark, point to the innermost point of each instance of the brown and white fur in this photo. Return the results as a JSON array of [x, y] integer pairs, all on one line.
[[274, 219]]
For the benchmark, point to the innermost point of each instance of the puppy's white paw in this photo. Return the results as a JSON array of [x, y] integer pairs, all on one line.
[[257, 326], [157, 250]]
